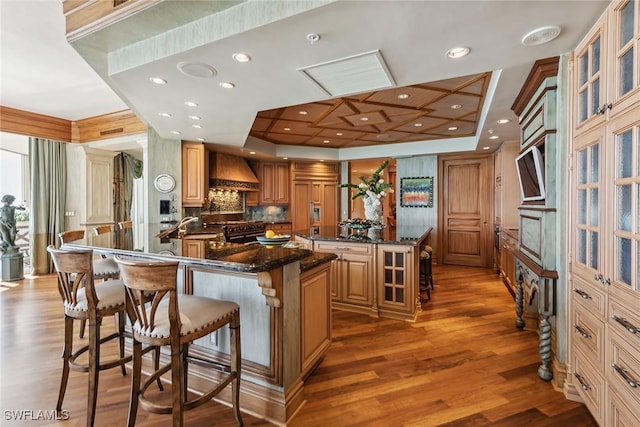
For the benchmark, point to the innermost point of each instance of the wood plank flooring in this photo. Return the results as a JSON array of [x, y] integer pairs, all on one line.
[[462, 364]]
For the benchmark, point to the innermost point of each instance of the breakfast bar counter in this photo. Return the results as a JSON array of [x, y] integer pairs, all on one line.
[[285, 309]]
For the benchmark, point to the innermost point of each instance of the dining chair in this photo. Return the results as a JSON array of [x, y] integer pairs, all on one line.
[[176, 320]]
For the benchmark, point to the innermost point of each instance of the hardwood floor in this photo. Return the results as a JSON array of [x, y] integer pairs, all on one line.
[[462, 364]]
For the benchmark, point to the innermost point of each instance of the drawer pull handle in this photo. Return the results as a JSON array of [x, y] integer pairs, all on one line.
[[582, 382], [582, 293], [627, 325], [623, 373], [582, 331]]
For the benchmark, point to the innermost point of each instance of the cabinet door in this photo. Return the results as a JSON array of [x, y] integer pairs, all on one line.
[[281, 189], [330, 209], [193, 248], [357, 279], [193, 175], [588, 230], [268, 183], [589, 79], [300, 206], [397, 284], [315, 318], [625, 75], [623, 270]]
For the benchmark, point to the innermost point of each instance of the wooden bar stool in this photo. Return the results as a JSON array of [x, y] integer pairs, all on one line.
[[86, 302], [426, 275], [175, 320], [103, 268]]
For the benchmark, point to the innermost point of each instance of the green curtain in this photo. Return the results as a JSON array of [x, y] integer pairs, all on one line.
[[126, 169], [48, 166]]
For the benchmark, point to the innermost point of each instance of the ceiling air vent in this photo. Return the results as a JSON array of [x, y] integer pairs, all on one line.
[[354, 74], [111, 131]]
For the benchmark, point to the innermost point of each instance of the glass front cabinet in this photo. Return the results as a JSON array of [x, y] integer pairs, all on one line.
[[604, 301]]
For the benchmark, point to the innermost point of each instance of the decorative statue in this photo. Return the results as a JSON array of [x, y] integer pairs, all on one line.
[[8, 230]]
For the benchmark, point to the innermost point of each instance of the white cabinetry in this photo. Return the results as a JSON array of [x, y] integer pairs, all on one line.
[[604, 297]]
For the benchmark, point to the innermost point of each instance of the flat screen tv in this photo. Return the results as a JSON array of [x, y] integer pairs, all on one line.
[[530, 167]]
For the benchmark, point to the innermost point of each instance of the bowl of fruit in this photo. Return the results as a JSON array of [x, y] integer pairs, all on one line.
[[273, 239]]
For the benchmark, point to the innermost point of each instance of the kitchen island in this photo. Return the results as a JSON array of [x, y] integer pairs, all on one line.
[[284, 298], [376, 273]]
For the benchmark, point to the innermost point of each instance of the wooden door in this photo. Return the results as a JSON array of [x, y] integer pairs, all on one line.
[[466, 201]]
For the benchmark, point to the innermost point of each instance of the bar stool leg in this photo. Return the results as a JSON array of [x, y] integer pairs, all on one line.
[[66, 355], [235, 357], [94, 368], [136, 372]]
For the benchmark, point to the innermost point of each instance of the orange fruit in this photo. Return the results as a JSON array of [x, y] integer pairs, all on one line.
[[269, 234]]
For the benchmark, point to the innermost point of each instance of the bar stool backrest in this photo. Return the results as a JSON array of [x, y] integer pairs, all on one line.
[[75, 271]]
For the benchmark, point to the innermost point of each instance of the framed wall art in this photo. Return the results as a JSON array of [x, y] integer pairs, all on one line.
[[416, 192]]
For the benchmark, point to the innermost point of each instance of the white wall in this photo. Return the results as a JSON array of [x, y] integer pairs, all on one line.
[[418, 167]]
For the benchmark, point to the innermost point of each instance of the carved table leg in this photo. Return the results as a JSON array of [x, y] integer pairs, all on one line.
[[545, 349], [519, 301]]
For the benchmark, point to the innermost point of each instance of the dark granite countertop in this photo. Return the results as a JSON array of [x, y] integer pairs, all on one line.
[[401, 235], [236, 257]]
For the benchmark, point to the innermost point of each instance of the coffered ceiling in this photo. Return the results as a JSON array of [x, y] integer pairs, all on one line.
[[439, 110]]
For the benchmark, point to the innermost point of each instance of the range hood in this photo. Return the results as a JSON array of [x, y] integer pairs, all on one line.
[[228, 172]]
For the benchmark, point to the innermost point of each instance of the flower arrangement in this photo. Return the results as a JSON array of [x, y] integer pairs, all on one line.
[[373, 187]]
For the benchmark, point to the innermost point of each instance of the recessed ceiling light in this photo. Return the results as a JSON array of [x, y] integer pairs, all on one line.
[[191, 104], [285, 158], [287, 129], [364, 119], [241, 57], [485, 148], [453, 127], [175, 132], [403, 96], [326, 141], [194, 117], [418, 125], [201, 139], [302, 113], [541, 35], [164, 115], [227, 85], [458, 52], [456, 106], [503, 121], [158, 80], [339, 133], [252, 152], [321, 160], [196, 126], [382, 136], [494, 137]]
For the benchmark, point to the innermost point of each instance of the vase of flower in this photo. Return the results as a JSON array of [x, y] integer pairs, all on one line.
[[373, 209]]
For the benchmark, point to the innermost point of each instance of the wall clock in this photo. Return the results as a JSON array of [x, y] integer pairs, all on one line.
[[164, 183]]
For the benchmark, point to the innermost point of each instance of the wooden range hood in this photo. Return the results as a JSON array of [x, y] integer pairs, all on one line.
[[228, 172]]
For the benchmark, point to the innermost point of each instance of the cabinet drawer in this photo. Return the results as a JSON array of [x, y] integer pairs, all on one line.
[[590, 385], [590, 297], [624, 368], [353, 248], [619, 413], [624, 321], [588, 336], [279, 228]]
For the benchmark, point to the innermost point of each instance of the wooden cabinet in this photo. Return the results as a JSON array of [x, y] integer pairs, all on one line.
[[605, 230], [281, 228], [314, 196], [315, 318], [194, 248], [507, 195], [274, 183], [354, 270], [508, 246], [397, 290], [195, 184]]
